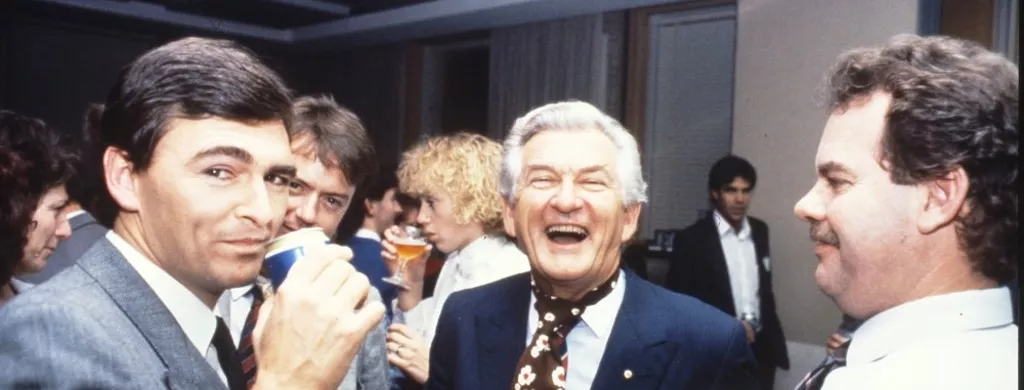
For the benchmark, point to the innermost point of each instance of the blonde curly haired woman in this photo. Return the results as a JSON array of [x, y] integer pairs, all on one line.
[[456, 179]]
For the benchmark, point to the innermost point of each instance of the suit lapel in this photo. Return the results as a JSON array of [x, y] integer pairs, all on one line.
[[186, 368], [760, 251], [635, 357], [719, 269], [501, 335]]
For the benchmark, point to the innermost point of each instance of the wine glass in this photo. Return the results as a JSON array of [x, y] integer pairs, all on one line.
[[410, 247]]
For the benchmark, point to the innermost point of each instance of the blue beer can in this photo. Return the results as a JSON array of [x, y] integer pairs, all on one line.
[[285, 250]]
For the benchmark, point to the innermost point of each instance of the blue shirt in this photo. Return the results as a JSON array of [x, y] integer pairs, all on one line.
[[366, 259]]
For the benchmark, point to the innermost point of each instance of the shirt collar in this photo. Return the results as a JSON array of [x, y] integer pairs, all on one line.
[[478, 254], [368, 234], [195, 319], [599, 317], [929, 318], [20, 286], [247, 290], [724, 227], [75, 214]]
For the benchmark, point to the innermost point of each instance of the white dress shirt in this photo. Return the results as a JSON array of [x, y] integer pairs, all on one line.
[[485, 260], [234, 306], [741, 260], [965, 340], [196, 319], [587, 340]]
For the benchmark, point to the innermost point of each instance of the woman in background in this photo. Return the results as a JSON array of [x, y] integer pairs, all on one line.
[[455, 177], [34, 167]]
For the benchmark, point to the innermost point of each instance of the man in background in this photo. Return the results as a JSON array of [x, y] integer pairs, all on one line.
[[377, 209], [724, 260]]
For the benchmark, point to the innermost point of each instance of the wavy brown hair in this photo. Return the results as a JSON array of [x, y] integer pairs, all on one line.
[[33, 160], [954, 104]]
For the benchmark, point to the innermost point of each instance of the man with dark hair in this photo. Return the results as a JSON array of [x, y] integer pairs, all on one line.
[[83, 189], [914, 215], [333, 157], [723, 259], [379, 211], [196, 164]]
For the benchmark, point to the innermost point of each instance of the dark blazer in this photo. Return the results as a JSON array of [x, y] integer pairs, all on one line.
[[97, 325], [84, 232], [667, 340], [698, 269]]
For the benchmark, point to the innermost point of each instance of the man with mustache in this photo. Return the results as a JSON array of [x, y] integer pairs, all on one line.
[[196, 168], [914, 215], [723, 259]]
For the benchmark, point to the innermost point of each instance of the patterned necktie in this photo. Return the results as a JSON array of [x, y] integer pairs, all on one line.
[[246, 353], [544, 363], [226, 355], [816, 378]]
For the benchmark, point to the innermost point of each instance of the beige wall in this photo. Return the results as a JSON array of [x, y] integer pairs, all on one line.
[[783, 49]]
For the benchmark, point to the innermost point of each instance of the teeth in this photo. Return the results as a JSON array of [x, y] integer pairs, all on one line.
[[567, 229]]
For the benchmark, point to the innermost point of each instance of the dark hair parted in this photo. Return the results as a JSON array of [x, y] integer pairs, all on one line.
[[33, 160], [191, 78], [954, 104], [336, 135], [727, 169]]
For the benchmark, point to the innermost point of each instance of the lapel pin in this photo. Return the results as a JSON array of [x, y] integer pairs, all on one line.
[[627, 374]]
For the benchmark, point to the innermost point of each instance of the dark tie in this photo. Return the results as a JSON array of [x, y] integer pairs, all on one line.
[[544, 363], [246, 353], [816, 378], [227, 356]]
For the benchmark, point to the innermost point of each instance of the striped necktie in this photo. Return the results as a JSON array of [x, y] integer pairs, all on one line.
[[816, 378], [246, 353]]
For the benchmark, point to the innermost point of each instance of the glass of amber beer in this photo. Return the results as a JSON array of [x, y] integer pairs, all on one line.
[[410, 248]]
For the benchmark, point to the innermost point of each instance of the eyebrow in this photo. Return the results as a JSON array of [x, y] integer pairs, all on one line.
[[587, 169], [243, 156], [343, 197], [832, 167], [227, 151]]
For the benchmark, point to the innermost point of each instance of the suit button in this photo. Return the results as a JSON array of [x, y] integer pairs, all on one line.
[[627, 374]]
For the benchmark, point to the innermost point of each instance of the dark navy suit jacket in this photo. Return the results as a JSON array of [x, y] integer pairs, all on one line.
[[665, 340]]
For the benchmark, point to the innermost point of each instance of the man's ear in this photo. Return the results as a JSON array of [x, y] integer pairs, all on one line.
[[370, 208], [632, 222], [119, 174], [946, 199]]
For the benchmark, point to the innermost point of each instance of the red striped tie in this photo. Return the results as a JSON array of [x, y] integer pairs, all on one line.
[[246, 353]]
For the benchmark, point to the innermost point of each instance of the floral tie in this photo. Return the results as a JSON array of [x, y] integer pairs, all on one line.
[[544, 363]]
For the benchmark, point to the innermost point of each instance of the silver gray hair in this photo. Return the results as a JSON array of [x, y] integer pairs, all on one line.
[[567, 116]]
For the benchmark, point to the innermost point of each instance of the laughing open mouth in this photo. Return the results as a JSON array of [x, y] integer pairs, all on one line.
[[566, 234]]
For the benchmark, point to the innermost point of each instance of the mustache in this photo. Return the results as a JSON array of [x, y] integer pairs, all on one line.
[[821, 233]]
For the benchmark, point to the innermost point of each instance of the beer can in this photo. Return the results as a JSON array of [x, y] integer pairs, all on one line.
[[285, 250]]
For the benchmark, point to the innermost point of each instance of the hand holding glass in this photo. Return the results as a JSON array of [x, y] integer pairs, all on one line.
[[409, 247]]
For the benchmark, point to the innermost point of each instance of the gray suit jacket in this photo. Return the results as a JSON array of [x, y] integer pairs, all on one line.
[[369, 370], [84, 232], [97, 326]]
